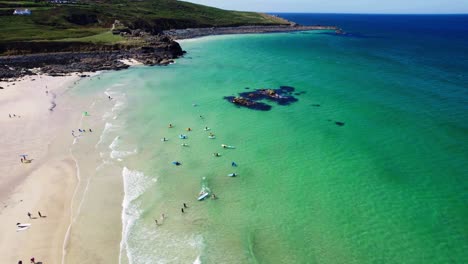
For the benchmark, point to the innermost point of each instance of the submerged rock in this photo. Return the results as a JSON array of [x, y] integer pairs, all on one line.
[[281, 96], [339, 123]]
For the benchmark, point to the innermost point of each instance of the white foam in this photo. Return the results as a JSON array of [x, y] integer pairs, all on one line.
[[197, 261], [135, 183], [119, 154], [108, 127]]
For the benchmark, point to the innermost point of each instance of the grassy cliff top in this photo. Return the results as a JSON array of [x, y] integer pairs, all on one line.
[[90, 20]]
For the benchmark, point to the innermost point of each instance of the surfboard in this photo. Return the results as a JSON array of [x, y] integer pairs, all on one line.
[[203, 196], [22, 227]]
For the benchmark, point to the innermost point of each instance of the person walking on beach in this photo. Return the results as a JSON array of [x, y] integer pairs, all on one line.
[[9, 115], [20, 262], [33, 260], [29, 215], [38, 212], [22, 160]]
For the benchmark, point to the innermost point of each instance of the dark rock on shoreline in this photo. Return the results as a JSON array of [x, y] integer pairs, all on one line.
[[160, 50]]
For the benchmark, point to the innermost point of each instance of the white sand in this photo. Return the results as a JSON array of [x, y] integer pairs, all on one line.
[[47, 184]]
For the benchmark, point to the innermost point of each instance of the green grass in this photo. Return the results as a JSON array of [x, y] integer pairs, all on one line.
[[88, 20], [102, 38]]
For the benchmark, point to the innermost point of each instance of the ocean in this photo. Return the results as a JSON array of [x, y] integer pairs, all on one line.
[[369, 165]]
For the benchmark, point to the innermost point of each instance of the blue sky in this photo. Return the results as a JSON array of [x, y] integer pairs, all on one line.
[[344, 6]]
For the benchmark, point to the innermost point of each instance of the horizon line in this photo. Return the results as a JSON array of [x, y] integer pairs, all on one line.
[[333, 13]]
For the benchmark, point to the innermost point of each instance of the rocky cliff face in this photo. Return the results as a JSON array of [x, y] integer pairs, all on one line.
[[62, 58]]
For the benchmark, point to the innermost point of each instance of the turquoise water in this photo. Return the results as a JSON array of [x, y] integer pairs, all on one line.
[[390, 186]]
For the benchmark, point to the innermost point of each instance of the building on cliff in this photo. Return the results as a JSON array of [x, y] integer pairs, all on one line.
[[22, 12]]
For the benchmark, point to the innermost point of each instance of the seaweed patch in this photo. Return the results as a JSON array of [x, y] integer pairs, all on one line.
[[251, 99]]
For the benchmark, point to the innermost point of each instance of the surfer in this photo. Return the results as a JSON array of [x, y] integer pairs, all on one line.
[[213, 196], [185, 205], [182, 210], [40, 215], [189, 129], [233, 164], [170, 126], [216, 154]]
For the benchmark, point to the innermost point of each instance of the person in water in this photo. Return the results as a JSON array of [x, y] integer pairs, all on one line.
[[189, 129], [170, 126], [233, 164]]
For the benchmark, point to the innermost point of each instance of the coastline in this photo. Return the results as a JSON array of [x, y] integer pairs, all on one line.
[[42, 117], [159, 50], [191, 33]]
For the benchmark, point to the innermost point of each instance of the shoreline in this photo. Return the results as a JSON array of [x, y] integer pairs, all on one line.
[[191, 33], [160, 50]]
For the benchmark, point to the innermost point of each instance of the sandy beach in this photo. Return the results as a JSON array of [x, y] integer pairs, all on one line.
[[36, 122]]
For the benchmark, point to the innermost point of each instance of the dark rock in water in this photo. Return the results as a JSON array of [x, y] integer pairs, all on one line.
[[339, 123], [245, 102], [315, 105], [250, 99]]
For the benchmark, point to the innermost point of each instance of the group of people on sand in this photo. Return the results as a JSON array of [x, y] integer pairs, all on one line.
[[38, 213], [81, 131], [14, 115], [33, 260]]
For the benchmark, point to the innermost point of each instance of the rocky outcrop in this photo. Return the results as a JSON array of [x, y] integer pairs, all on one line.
[[159, 50]]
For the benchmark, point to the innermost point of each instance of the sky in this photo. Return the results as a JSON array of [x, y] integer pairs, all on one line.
[[343, 6]]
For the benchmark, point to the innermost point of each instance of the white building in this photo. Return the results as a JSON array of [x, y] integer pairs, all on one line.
[[22, 12]]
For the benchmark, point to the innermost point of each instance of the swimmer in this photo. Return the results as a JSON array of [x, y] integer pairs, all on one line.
[[233, 164], [189, 129], [170, 126]]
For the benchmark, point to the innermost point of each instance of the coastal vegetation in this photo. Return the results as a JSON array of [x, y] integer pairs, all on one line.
[[88, 21]]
